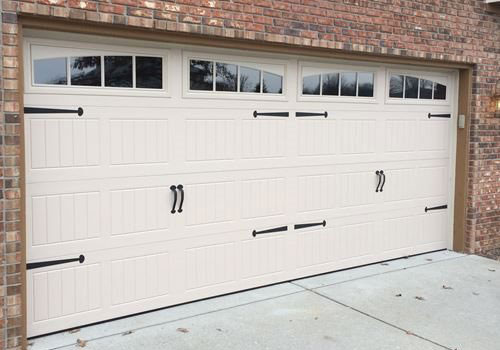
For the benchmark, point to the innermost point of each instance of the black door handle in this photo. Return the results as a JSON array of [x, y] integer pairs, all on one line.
[[383, 182], [379, 178], [181, 188], [173, 189]]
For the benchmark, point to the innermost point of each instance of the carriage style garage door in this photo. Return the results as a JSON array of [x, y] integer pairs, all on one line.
[[158, 175]]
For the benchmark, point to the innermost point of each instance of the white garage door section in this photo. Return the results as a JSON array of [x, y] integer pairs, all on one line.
[[194, 172]]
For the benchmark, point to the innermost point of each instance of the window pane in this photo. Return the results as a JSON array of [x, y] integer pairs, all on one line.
[[411, 87], [396, 86], [226, 78], [118, 71], [348, 84], [331, 84], [439, 92], [201, 75], [50, 71], [272, 83], [148, 72], [365, 84], [310, 85], [249, 80], [425, 89], [86, 71]]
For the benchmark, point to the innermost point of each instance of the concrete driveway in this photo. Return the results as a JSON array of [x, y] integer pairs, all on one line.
[[441, 300]]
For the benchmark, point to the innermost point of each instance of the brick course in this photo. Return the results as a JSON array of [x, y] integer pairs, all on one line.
[[448, 30]]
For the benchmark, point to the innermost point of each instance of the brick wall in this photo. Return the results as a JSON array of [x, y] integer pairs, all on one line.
[[451, 30]]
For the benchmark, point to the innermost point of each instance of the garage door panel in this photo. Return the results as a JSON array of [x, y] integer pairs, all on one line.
[[60, 143], [103, 184], [356, 189], [263, 256], [317, 192], [139, 141], [317, 137], [66, 217], [401, 135], [357, 136], [434, 135]]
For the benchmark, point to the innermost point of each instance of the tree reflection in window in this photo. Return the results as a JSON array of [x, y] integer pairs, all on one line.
[[226, 77], [249, 79], [86, 71], [201, 75], [401, 86], [118, 71]]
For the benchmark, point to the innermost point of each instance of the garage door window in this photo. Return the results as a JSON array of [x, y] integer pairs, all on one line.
[[106, 71], [354, 84], [409, 87], [232, 77], [50, 71]]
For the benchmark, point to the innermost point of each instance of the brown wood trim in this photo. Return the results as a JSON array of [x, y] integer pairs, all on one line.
[[462, 160], [22, 185], [127, 32]]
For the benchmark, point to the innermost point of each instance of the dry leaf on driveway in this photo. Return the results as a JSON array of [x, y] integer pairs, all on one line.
[[81, 343], [420, 298], [183, 330]]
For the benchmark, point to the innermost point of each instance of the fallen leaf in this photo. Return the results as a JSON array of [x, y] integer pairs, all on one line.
[[76, 330], [81, 343], [183, 330], [127, 332], [420, 298], [399, 295], [384, 264], [492, 270], [446, 287], [218, 329], [475, 293], [409, 333], [428, 259]]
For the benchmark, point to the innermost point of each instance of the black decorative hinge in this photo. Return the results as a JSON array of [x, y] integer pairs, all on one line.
[[299, 226], [272, 230], [38, 110], [430, 115], [270, 114], [37, 265], [436, 208], [308, 114]]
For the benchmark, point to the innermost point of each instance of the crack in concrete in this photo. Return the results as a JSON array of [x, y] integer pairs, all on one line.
[[379, 320]]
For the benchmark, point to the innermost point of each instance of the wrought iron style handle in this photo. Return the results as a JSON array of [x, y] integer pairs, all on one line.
[[309, 114], [272, 230], [36, 265], [270, 114], [436, 208], [379, 179], [39, 110], [299, 226], [383, 182], [181, 188], [174, 189], [430, 115]]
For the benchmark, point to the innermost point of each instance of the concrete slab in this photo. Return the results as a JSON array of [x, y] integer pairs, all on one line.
[[298, 321], [107, 329], [375, 269], [459, 304]]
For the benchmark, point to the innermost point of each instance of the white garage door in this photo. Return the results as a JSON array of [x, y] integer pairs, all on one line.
[[194, 172]]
